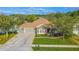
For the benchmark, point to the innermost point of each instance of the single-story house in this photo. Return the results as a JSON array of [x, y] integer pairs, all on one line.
[[38, 25], [76, 29]]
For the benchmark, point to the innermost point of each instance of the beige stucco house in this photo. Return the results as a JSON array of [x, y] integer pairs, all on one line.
[[76, 29], [38, 24]]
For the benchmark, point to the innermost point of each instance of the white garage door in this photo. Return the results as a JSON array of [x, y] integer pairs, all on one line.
[[29, 30]]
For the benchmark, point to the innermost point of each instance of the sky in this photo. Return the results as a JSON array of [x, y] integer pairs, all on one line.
[[35, 10]]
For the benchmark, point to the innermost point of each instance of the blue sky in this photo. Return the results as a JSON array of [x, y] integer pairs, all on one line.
[[35, 10]]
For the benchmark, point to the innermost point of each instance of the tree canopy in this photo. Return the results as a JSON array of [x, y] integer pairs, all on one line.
[[63, 21]]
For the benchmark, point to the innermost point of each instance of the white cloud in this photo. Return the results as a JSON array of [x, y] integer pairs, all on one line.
[[33, 10], [6, 11], [28, 10]]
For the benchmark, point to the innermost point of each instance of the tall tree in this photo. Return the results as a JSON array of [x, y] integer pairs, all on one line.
[[6, 23], [31, 18]]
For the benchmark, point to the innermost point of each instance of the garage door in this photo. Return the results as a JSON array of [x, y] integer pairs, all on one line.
[[29, 30]]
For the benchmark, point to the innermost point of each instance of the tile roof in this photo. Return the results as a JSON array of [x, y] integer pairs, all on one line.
[[38, 22]]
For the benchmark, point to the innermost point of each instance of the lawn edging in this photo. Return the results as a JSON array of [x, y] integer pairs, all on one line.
[[45, 45]]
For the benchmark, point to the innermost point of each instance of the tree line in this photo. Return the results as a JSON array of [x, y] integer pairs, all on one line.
[[64, 22]]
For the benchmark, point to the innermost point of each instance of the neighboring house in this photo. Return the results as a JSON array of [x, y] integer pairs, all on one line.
[[38, 25], [76, 29]]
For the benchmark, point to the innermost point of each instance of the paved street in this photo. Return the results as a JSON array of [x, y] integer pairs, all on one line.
[[21, 42]]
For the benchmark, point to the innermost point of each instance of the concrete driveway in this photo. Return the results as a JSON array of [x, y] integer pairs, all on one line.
[[21, 42]]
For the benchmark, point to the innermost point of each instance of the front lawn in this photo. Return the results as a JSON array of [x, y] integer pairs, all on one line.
[[54, 49], [4, 38], [52, 41], [75, 39], [42, 35]]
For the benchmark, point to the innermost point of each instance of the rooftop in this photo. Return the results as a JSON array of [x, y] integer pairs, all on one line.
[[37, 23]]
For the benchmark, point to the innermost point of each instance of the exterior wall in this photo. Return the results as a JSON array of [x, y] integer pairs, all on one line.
[[24, 30], [76, 30], [41, 30], [29, 30], [20, 30]]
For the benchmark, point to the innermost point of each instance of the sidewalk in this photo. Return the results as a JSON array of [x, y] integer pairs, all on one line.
[[43, 45]]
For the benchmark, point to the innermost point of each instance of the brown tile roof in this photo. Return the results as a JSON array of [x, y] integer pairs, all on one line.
[[38, 22]]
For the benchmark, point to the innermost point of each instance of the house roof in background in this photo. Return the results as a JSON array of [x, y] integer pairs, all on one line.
[[37, 23]]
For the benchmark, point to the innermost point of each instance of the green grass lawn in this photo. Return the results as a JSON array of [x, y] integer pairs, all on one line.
[[54, 49], [40, 39], [4, 38], [52, 41]]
